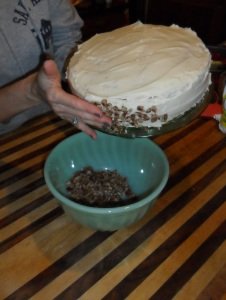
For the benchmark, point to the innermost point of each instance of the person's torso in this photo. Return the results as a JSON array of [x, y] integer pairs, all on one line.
[[25, 34]]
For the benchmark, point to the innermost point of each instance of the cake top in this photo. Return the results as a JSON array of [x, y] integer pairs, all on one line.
[[142, 75], [136, 61]]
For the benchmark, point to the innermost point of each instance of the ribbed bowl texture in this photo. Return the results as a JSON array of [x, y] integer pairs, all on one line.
[[140, 160]]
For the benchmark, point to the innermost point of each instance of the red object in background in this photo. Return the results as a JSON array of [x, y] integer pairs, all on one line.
[[218, 66], [214, 108]]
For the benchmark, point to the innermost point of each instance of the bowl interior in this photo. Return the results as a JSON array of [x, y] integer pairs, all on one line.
[[141, 161]]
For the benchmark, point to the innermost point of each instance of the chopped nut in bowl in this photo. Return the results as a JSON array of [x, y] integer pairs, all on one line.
[[108, 183], [103, 188]]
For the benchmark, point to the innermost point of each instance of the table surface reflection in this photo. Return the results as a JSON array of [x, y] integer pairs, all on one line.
[[177, 251]]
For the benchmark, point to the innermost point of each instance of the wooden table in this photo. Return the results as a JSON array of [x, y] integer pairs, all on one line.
[[177, 251]]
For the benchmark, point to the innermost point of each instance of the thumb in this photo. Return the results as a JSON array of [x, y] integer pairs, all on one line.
[[51, 71], [48, 76]]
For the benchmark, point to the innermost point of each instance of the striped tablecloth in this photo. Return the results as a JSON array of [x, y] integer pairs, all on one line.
[[177, 251]]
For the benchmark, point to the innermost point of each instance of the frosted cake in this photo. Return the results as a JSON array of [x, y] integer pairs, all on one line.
[[142, 75]]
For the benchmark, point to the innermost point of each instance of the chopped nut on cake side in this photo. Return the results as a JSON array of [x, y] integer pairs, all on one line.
[[126, 117]]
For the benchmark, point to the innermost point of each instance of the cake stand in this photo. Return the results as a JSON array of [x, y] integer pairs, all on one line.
[[183, 120]]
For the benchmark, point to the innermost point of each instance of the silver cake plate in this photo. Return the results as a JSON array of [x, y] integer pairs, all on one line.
[[178, 122]]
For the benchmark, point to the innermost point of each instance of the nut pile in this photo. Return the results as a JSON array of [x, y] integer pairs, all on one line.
[[100, 188], [122, 116]]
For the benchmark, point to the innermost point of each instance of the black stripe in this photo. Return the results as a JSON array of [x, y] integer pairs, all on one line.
[[29, 171], [34, 140], [31, 155], [196, 260], [62, 264], [18, 176], [25, 210], [25, 232], [138, 275], [124, 288], [40, 182], [196, 163], [172, 180], [53, 275], [29, 188], [186, 131], [27, 129], [31, 126], [157, 222]]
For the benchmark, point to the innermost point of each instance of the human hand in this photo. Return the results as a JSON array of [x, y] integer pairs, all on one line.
[[67, 106]]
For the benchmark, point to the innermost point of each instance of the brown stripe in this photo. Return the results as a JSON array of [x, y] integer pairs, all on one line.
[[21, 132], [78, 288], [216, 287], [31, 155], [145, 232], [197, 259], [172, 183], [174, 179], [130, 282], [54, 120], [29, 188], [196, 163], [25, 210], [29, 171], [22, 174], [45, 277], [186, 131], [179, 176], [25, 232], [33, 141]]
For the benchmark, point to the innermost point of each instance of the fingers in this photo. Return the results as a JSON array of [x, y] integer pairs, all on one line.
[[87, 117], [86, 129], [76, 122], [63, 102], [84, 124], [68, 106], [81, 106]]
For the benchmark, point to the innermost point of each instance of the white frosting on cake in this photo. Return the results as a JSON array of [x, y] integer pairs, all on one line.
[[143, 65]]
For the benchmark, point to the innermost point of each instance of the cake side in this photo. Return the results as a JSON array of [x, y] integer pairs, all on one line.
[[142, 74]]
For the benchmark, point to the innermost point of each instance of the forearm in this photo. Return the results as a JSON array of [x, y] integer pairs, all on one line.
[[18, 96]]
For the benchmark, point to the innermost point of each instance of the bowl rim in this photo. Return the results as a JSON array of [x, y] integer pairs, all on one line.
[[63, 200]]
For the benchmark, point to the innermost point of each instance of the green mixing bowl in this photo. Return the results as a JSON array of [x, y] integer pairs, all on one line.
[[140, 160]]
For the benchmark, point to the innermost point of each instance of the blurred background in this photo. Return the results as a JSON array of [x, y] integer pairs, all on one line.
[[206, 17]]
